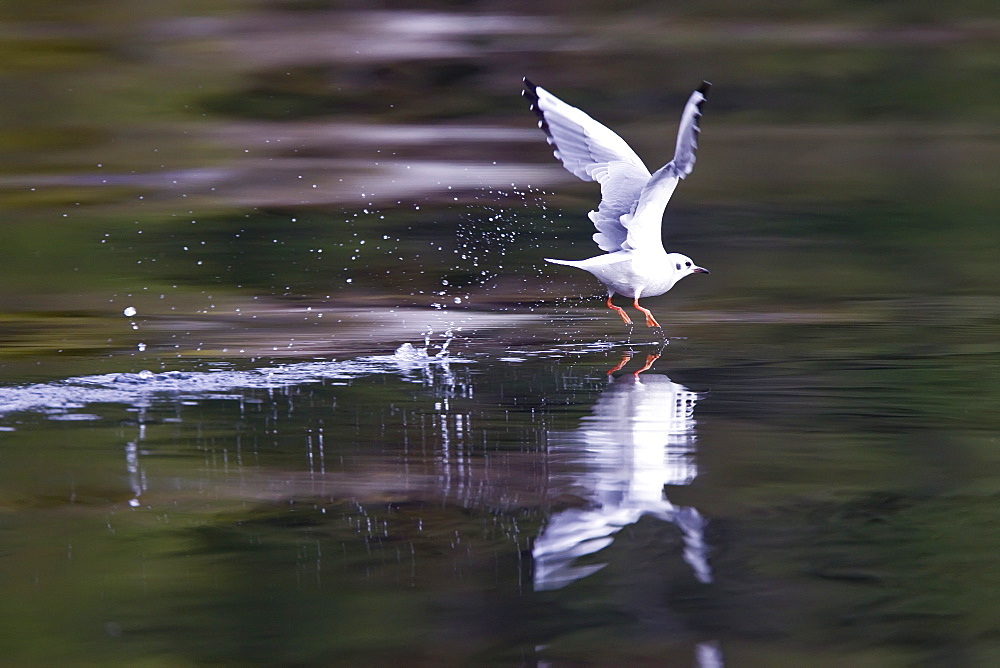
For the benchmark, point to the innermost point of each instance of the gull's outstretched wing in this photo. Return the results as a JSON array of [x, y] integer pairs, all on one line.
[[592, 152], [580, 141], [643, 223]]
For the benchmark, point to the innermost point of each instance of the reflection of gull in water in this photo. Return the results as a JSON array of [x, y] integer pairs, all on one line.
[[136, 473], [639, 438]]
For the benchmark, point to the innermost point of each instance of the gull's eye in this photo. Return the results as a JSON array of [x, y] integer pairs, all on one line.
[[686, 264], [678, 266]]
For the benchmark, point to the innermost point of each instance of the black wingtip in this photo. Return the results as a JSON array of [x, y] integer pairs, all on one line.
[[531, 94], [704, 87]]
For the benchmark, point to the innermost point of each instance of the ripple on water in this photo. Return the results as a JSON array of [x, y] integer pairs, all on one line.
[[147, 388]]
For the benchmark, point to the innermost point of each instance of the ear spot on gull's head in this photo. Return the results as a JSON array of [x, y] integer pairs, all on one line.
[[678, 265]]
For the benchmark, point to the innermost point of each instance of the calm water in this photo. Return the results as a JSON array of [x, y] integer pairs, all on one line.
[[283, 378]]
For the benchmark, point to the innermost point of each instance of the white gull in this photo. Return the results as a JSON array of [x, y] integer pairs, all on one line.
[[632, 200]]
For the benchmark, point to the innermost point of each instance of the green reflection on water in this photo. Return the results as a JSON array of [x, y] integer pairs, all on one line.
[[383, 518]]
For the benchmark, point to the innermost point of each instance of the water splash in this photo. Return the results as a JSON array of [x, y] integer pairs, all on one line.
[[493, 226], [62, 399]]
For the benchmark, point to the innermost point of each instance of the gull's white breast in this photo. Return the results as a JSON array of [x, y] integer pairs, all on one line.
[[626, 271]]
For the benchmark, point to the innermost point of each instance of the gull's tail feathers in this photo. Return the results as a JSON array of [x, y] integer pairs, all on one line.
[[569, 263]]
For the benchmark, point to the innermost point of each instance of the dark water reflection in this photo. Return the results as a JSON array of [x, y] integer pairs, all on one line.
[[561, 507]]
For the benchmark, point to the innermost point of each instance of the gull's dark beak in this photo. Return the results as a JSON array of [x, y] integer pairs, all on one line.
[[700, 270]]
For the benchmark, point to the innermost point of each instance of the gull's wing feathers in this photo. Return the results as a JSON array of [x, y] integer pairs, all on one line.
[[621, 185], [579, 140], [687, 133], [632, 200], [592, 152], [644, 221]]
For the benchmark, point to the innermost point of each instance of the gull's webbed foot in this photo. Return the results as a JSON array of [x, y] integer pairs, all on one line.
[[650, 320], [621, 312]]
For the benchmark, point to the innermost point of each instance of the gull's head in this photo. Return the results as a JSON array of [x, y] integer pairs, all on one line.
[[683, 266]]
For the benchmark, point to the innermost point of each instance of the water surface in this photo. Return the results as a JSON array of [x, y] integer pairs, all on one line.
[[284, 379]]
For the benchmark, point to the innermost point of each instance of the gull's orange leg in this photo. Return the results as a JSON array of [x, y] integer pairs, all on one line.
[[621, 312], [625, 358], [650, 320], [649, 362]]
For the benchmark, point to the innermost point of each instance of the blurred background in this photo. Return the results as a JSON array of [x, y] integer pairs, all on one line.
[[217, 160]]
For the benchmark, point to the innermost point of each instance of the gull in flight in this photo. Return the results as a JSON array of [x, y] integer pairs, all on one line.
[[632, 200]]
